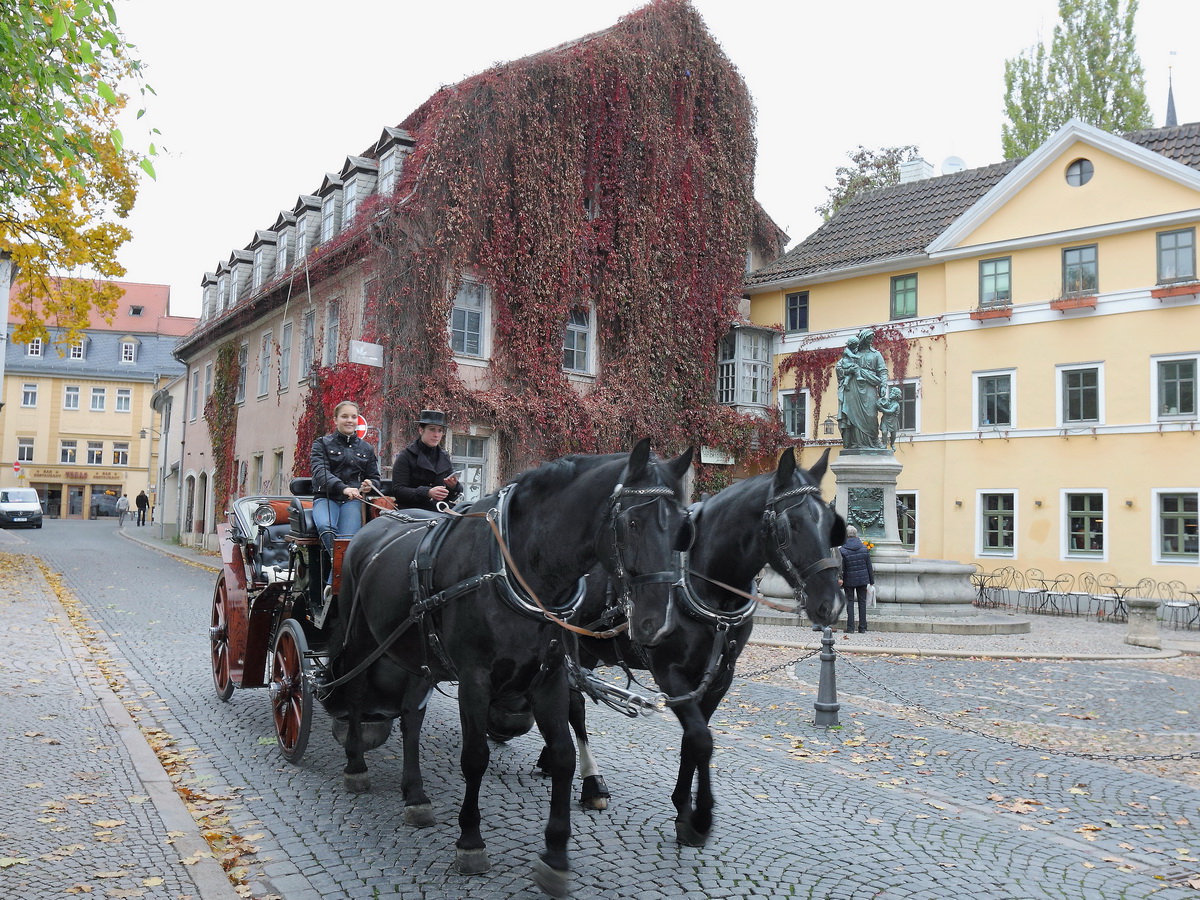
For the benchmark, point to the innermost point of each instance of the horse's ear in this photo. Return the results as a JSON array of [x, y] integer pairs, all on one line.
[[679, 466], [785, 470], [837, 534], [639, 457], [818, 471]]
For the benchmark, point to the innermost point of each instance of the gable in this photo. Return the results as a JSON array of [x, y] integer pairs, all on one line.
[[1119, 190]]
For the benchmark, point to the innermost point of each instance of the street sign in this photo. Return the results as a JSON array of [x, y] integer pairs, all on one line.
[[361, 430], [16, 468]]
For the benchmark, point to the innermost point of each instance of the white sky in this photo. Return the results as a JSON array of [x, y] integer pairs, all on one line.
[[258, 99]]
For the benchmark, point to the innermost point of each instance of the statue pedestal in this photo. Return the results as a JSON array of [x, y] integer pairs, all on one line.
[[904, 585]]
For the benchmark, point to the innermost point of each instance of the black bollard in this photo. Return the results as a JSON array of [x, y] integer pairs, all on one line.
[[827, 705]]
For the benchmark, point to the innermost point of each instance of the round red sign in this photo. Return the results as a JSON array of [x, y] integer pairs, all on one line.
[[361, 430]]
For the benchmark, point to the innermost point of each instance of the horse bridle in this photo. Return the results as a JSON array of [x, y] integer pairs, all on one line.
[[777, 537], [613, 561]]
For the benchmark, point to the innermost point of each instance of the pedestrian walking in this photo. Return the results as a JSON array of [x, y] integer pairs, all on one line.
[[122, 508], [143, 504], [857, 576]]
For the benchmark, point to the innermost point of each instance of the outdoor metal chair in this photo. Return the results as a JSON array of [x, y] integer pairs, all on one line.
[[1104, 594], [1085, 586], [1032, 593], [1060, 596], [1178, 608]]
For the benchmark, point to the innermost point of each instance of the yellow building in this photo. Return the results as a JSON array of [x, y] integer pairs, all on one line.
[[77, 423], [1050, 312]]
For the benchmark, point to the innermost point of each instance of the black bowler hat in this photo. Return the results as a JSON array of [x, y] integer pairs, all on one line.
[[432, 417]]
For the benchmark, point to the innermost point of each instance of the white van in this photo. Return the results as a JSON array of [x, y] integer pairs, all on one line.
[[20, 507]]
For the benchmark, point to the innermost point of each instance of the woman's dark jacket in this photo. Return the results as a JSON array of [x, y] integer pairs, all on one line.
[[856, 564], [340, 461], [417, 469]]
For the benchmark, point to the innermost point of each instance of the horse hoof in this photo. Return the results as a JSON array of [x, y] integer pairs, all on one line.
[[471, 862], [594, 802], [595, 793], [420, 815], [555, 882], [689, 836], [357, 783]]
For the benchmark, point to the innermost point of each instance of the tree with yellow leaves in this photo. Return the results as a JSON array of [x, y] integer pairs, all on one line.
[[66, 179]]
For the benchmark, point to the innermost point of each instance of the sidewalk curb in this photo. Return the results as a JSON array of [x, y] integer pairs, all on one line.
[[206, 874], [970, 654], [185, 553]]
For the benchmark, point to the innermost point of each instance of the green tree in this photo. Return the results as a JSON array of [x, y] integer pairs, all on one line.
[[65, 176], [1091, 72], [872, 169]]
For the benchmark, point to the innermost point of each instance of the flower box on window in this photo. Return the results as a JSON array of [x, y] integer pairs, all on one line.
[[1062, 304], [1190, 288], [991, 312]]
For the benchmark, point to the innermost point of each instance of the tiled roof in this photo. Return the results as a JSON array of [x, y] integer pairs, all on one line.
[[1180, 142], [901, 221], [154, 317], [893, 222]]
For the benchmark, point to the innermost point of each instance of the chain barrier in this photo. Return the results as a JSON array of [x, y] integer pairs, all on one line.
[[960, 726], [757, 673]]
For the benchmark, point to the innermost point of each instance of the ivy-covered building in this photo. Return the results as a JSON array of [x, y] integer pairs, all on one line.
[[551, 250]]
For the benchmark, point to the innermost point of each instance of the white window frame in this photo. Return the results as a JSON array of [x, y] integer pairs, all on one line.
[[349, 200], [243, 362], [1060, 387], [977, 409], [473, 285], [916, 385], [256, 276], [120, 455], [981, 550], [477, 471], [1156, 531], [208, 380], [95, 453], [1158, 414], [329, 216], [71, 396], [333, 332], [128, 352], [285, 354], [29, 395], [124, 402], [589, 335], [301, 236], [281, 252], [98, 394], [808, 424], [916, 495], [264, 365], [78, 350], [68, 452], [25, 449], [743, 375], [195, 394], [34, 348], [388, 171], [308, 344], [1064, 504]]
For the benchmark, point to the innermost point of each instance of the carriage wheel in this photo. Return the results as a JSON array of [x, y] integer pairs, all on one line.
[[218, 636], [291, 690]]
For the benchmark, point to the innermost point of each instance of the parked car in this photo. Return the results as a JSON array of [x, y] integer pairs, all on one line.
[[20, 507]]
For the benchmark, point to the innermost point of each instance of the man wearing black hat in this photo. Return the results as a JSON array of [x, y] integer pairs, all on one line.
[[423, 474]]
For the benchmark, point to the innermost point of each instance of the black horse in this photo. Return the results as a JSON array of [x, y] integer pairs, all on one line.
[[777, 519], [435, 603]]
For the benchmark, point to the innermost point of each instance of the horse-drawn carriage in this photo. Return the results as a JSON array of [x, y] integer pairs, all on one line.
[[497, 597]]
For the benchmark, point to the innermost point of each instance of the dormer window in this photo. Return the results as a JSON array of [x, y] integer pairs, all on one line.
[[78, 350], [34, 347], [136, 310], [281, 252], [257, 271], [329, 216], [129, 350], [387, 172], [349, 201], [301, 235]]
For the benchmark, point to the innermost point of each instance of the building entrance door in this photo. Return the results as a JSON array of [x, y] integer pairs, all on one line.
[[74, 501]]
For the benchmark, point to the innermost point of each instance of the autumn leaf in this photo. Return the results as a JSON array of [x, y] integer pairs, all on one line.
[[8, 861]]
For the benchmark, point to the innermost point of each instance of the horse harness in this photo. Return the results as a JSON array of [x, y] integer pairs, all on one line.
[[518, 597]]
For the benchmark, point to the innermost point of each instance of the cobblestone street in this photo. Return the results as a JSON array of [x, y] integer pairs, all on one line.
[[924, 792]]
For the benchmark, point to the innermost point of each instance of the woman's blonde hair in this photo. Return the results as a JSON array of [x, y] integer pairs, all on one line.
[[337, 410]]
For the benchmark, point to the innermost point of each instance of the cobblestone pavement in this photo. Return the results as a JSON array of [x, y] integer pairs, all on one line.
[[924, 792], [80, 814]]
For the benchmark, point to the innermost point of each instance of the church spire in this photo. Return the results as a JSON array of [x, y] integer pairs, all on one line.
[[1171, 120]]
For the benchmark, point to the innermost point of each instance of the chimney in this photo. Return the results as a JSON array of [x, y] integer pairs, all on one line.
[[915, 170]]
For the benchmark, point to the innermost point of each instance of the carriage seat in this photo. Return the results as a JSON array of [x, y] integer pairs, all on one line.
[[273, 557]]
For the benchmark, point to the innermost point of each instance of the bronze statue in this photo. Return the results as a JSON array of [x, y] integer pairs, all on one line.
[[862, 383]]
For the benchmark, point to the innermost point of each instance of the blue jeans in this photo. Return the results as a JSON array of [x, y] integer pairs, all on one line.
[[335, 519]]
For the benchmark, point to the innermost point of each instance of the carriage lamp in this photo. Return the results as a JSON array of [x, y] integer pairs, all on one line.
[[264, 516], [828, 424], [147, 431]]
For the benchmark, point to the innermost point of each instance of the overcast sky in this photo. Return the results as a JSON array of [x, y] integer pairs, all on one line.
[[258, 99]]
